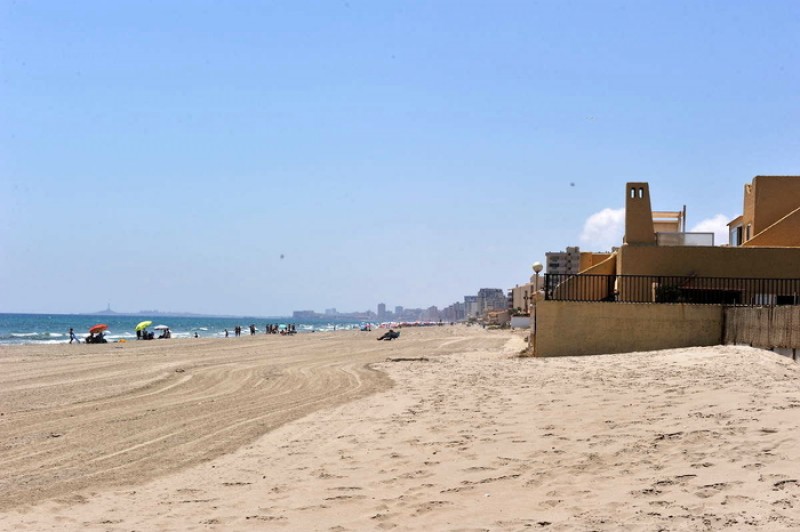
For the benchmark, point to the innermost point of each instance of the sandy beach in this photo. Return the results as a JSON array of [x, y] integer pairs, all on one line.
[[320, 432]]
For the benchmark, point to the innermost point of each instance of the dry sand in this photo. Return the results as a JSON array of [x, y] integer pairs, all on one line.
[[275, 433]]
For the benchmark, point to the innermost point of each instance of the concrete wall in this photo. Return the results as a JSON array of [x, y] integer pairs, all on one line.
[[783, 233], [707, 261], [607, 266], [565, 328], [767, 327], [771, 198], [591, 259], [520, 322]]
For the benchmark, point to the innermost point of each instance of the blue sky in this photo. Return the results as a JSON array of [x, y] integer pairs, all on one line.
[[164, 155]]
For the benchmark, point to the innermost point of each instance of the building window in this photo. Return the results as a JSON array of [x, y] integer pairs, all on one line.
[[735, 238], [747, 233]]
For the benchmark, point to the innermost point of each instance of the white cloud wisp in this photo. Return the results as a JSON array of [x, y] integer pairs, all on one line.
[[717, 225], [603, 230]]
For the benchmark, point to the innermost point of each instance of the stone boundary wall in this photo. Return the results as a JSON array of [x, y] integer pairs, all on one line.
[[775, 328], [565, 328]]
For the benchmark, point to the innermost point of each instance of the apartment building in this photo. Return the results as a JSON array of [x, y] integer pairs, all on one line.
[[566, 262], [491, 299]]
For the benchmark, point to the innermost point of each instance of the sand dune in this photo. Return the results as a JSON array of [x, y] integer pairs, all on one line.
[[471, 439]]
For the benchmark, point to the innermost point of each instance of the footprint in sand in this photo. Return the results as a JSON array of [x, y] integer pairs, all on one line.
[[430, 506], [709, 490]]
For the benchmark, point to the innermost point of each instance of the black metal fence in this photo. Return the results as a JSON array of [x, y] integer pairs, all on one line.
[[672, 289]]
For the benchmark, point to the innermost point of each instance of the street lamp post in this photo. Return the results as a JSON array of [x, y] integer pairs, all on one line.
[[537, 267]]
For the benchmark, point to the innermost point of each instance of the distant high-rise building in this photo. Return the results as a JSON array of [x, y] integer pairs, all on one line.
[[491, 299], [471, 306], [454, 312], [430, 314], [398, 311], [568, 261], [381, 311], [330, 312]]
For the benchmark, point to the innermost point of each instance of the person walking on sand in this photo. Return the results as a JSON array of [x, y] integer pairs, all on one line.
[[72, 336]]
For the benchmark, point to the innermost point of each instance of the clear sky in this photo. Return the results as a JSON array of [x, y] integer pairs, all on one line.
[[261, 157]]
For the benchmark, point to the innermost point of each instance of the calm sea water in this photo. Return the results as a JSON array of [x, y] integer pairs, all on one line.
[[54, 328]]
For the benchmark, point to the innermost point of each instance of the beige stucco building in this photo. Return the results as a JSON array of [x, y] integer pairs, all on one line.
[[771, 213], [760, 266], [770, 247], [522, 295]]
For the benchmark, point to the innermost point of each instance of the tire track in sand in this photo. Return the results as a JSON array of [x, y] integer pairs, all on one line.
[[125, 416]]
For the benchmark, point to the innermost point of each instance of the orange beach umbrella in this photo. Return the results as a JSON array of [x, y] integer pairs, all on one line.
[[100, 327]]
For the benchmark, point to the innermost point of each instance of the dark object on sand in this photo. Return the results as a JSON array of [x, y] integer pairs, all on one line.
[[389, 335], [96, 339], [407, 359]]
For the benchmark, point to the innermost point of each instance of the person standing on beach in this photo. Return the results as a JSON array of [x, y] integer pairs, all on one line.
[[72, 336]]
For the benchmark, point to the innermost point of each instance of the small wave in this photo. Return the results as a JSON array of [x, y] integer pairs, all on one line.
[[23, 335]]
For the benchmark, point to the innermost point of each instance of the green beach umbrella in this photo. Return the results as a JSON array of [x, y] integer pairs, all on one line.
[[143, 325]]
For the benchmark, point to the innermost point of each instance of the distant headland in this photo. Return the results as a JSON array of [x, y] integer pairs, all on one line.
[[154, 313]]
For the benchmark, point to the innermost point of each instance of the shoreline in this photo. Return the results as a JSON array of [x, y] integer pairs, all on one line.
[[700, 438]]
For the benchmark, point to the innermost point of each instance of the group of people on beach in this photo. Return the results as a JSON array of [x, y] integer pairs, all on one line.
[[273, 328], [93, 338], [99, 337], [237, 331], [145, 335], [270, 328]]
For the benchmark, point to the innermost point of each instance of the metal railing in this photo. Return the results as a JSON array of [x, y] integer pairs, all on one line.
[[672, 289]]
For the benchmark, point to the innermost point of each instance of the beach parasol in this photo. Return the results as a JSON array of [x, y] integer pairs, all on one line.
[[143, 325], [161, 327], [100, 327]]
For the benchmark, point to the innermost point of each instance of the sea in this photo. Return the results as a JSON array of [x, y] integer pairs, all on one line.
[[19, 329]]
